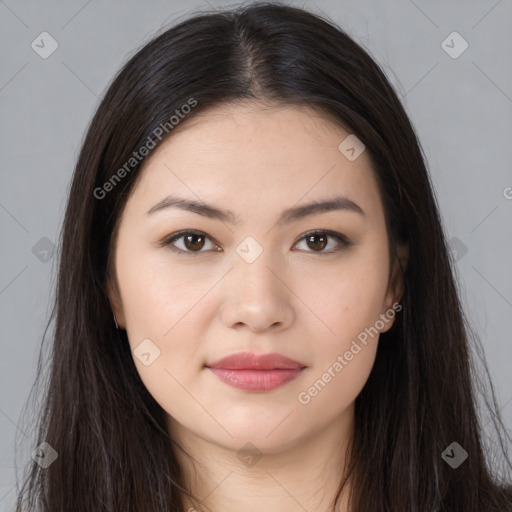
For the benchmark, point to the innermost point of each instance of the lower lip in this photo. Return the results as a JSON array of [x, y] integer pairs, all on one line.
[[256, 380]]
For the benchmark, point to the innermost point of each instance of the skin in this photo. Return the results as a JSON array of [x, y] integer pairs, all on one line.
[[292, 299]]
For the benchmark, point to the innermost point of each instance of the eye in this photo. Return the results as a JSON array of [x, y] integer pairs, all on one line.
[[318, 240], [194, 241]]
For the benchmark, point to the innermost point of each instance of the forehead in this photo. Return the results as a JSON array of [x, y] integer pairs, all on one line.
[[254, 157]]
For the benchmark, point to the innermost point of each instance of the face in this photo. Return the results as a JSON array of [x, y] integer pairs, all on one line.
[[314, 288]]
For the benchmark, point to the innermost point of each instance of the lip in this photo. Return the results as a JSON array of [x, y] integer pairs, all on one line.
[[253, 372], [251, 361]]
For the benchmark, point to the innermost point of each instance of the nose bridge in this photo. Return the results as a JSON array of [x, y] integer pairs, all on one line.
[[256, 295], [255, 268]]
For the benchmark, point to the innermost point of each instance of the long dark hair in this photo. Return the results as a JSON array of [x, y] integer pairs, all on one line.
[[114, 450]]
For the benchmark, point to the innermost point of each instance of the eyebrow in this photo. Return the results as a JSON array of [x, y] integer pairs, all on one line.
[[339, 203]]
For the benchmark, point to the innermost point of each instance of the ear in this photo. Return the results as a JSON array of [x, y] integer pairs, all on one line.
[[396, 282], [115, 302]]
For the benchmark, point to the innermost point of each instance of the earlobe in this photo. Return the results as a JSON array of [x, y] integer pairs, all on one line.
[[396, 288], [115, 303], [396, 283]]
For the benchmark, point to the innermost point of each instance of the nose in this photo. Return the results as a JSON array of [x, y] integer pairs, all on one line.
[[257, 296]]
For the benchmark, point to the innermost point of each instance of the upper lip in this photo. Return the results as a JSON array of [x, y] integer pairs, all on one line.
[[251, 361]]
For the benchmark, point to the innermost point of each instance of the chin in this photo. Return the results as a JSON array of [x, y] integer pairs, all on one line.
[[265, 438]]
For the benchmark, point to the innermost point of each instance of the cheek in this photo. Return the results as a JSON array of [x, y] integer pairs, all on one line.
[[344, 359], [332, 389], [156, 294], [350, 297], [161, 322], [162, 308]]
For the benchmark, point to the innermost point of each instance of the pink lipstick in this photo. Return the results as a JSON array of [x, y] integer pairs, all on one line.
[[253, 372]]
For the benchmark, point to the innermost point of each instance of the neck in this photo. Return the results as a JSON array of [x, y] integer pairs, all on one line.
[[304, 476]]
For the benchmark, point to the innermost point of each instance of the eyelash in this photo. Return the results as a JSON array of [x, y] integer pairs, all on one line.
[[344, 241]]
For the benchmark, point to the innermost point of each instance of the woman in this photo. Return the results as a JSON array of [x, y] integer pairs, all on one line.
[[256, 308]]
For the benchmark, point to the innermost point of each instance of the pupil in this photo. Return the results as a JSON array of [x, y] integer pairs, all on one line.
[[191, 245], [314, 245]]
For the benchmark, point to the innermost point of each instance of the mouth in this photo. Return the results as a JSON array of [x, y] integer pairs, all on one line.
[[252, 372]]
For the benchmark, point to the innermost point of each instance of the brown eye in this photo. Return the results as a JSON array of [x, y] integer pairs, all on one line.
[[191, 242], [317, 241], [194, 242]]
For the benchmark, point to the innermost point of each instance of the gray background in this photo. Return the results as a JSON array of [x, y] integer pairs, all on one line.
[[461, 108]]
